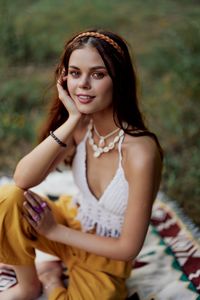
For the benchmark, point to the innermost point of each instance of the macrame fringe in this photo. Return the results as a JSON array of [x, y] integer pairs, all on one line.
[[193, 228], [89, 223]]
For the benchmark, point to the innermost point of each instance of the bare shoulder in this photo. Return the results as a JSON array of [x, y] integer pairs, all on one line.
[[141, 152]]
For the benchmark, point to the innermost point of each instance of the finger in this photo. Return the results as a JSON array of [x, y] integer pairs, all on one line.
[[60, 89], [59, 86], [63, 95], [35, 196], [35, 204], [32, 196], [33, 214], [39, 200], [61, 79], [63, 71], [43, 205], [30, 221]]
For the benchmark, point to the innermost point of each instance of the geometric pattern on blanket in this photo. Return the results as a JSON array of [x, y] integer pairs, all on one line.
[[7, 279], [168, 265]]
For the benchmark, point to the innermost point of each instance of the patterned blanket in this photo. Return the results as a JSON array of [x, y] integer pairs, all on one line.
[[168, 266]]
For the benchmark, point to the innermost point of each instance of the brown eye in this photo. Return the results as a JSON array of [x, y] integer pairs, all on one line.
[[98, 75], [74, 74]]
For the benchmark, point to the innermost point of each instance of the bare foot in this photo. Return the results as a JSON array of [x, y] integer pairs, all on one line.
[[50, 274]]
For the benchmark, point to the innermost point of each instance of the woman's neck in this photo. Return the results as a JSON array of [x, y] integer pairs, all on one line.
[[104, 123]]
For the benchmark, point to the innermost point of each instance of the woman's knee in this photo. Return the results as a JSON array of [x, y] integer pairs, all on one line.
[[11, 195], [28, 281], [30, 292]]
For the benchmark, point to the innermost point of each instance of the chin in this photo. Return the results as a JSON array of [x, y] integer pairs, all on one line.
[[85, 111]]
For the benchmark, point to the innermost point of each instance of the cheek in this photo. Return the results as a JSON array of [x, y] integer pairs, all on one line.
[[108, 90]]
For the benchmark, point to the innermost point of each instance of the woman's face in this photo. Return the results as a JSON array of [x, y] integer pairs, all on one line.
[[88, 81]]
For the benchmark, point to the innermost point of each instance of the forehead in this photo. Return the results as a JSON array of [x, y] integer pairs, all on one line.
[[87, 56]]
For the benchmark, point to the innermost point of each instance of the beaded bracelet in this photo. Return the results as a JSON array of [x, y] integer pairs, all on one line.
[[57, 139]]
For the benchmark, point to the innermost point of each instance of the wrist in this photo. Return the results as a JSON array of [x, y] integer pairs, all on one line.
[[74, 118], [54, 233], [72, 122]]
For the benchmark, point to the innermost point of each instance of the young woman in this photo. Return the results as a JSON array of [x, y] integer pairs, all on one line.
[[94, 125]]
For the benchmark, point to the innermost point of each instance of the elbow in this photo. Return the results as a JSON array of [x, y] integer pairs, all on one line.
[[25, 181], [128, 256], [123, 257], [128, 252], [20, 182]]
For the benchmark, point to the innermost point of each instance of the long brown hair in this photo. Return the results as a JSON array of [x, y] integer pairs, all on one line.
[[120, 68]]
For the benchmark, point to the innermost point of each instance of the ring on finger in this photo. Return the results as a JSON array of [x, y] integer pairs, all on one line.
[[36, 218], [43, 205], [38, 209]]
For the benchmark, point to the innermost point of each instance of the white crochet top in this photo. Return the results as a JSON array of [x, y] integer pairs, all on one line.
[[106, 214]]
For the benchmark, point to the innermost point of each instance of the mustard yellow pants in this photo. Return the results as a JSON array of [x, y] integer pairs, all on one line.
[[90, 276]]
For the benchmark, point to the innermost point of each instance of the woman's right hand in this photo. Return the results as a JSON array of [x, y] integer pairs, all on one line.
[[66, 99]]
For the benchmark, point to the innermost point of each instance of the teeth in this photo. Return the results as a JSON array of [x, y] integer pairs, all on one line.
[[85, 97]]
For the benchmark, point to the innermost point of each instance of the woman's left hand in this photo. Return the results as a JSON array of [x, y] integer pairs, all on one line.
[[39, 214]]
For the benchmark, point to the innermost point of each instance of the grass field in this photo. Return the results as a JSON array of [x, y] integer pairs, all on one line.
[[164, 38]]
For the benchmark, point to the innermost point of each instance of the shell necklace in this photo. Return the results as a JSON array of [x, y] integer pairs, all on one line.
[[101, 147]]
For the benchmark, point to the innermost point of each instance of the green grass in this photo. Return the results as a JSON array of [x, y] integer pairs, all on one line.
[[164, 38]]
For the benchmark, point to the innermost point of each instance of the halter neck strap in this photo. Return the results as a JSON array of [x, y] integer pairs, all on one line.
[[120, 149]]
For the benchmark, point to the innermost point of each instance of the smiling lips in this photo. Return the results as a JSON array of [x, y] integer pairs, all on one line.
[[84, 99]]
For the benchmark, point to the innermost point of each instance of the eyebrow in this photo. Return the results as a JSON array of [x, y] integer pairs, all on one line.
[[93, 68]]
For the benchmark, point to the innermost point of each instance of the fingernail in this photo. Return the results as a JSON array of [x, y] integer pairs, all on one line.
[[27, 194]]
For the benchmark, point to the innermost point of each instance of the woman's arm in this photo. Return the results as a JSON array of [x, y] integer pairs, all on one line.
[[143, 170], [35, 166]]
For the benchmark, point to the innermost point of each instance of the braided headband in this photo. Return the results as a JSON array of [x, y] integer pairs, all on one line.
[[102, 37]]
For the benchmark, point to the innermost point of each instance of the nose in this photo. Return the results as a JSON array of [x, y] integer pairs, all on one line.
[[84, 82]]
